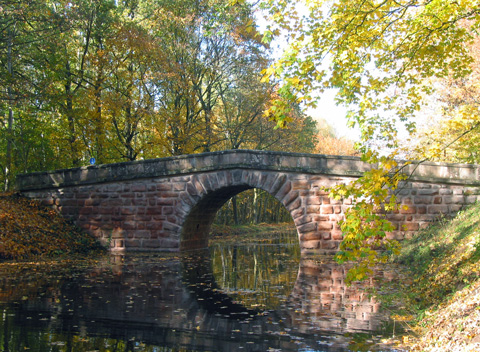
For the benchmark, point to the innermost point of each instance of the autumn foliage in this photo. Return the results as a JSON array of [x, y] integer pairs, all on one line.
[[28, 230]]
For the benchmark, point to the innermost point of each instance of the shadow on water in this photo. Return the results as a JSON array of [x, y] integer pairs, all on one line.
[[231, 298]]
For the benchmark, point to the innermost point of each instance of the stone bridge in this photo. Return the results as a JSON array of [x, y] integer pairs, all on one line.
[[170, 203]]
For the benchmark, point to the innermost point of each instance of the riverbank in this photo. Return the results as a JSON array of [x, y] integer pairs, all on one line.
[[442, 309], [30, 231], [251, 232]]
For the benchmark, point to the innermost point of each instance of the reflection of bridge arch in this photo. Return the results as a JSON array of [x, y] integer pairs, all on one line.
[[149, 302], [332, 304], [198, 276]]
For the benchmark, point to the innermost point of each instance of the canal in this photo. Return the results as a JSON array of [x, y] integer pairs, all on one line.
[[249, 296]]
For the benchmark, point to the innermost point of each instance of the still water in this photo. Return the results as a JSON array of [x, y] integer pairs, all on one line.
[[232, 297]]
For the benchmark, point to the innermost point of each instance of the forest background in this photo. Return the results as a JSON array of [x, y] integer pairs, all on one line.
[[127, 80]]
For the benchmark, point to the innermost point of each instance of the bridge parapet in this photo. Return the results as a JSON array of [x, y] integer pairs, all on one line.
[[464, 174], [170, 203]]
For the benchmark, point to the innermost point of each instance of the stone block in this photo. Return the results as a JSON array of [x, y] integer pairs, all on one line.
[[152, 243], [139, 187], [289, 198], [303, 220], [165, 186], [129, 225], [143, 218], [321, 218], [300, 185], [284, 190], [307, 227], [421, 209], [324, 225], [141, 234], [165, 201], [132, 243], [423, 200], [330, 245], [237, 176], [171, 227], [313, 200], [277, 184], [326, 235], [337, 235], [139, 202], [127, 195], [471, 199], [410, 226], [309, 236], [105, 210], [438, 209], [86, 210], [297, 212], [408, 209], [428, 192], [178, 187], [207, 182], [311, 244], [296, 204], [127, 210], [326, 209], [460, 199], [455, 207]]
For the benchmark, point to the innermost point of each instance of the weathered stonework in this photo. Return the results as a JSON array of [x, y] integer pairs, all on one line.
[[170, 203]]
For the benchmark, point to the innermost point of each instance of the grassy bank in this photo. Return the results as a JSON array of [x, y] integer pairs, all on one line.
[[29, 231], [443, 290], [252, 232]]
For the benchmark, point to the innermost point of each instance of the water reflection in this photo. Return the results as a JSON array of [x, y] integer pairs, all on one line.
[[261, 276], [236, 298]]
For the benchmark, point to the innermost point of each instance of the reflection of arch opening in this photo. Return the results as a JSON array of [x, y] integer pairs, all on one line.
[[198, 275]]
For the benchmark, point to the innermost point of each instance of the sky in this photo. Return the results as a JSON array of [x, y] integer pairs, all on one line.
[[326, 109], [334, 114]]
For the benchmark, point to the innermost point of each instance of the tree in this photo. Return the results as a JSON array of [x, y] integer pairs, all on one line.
[[23, 28], [328, 143], [452, 129], [380, 56]]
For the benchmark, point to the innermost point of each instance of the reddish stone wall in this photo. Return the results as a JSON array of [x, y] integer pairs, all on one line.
[[170, 204], [172, 213]]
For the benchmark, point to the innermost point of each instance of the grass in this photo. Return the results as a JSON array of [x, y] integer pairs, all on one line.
[[443, 287], [445, 258]]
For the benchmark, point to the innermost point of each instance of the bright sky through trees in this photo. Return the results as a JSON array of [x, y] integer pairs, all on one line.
[[327, 109]]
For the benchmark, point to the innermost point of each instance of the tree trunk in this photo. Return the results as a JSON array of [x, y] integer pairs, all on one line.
[[72, 138], [235, 210], [11, 98]]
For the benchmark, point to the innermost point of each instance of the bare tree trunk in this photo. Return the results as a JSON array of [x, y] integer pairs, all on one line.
[[11, 98], [72, 138], [235, 210]]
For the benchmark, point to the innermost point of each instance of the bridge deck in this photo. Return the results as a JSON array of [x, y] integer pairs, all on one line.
[[464, 174]]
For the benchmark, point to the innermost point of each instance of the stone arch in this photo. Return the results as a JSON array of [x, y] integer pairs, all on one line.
[[206, 193]]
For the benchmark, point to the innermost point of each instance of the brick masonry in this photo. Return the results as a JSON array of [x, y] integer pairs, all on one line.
[[170, 203]]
